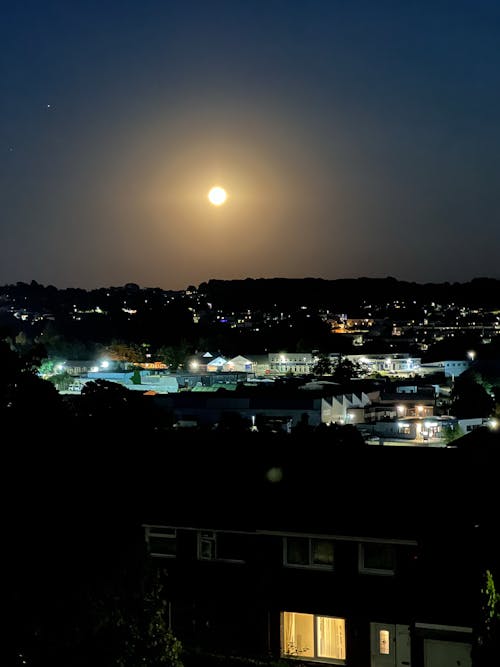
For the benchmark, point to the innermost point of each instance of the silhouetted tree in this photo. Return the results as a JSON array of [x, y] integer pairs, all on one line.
[[302, 427], [345, 370], [104, 399], [61, 381], [347, 435], [133, 627], [232, 421], [136, 377], [119, 351], [469, 399], [323, 365], [173, 356], [487, 649], [25, 397], [451, 433]]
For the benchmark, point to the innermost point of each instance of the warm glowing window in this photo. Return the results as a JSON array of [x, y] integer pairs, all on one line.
[[330, 637], [298, 635], [383, 642], [308, 552], [313, 637]]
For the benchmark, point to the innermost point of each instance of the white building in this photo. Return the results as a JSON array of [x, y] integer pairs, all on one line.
[[396, 364], [291, 362], [239, 364]]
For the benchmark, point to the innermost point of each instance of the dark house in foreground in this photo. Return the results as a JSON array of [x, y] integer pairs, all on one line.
[[366, 559]]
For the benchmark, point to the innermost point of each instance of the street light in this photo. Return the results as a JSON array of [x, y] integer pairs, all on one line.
[[471, 354]]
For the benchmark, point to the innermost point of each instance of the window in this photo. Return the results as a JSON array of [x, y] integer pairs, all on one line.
[[319, 638], [206, 545], [308, 552], [229, 547], [383, 642], [161, 541], [376, 558]]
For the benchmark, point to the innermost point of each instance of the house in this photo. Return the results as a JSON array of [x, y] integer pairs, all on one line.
[[77, 368], [209, 409], [197, 363], [395, 364], [326, 563], [216, 365], [424, 429], [347, 408], [261, 402], [450, 368], [291, 362], [419, 403], [260, 364], [239, 364]]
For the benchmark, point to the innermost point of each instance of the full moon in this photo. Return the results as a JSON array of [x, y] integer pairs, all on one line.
[[217, 196]]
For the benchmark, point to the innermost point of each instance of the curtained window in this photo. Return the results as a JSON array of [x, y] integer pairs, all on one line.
[[309, 552], [314, 637]]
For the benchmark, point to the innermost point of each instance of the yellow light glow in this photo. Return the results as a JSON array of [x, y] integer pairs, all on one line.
[[217, 196]]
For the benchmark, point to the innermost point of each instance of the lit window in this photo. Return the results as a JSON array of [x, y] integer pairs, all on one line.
[[383, 642], [298, 635], [320, 638], [376, 558], [330, 637], [161, 541], [308, 552]]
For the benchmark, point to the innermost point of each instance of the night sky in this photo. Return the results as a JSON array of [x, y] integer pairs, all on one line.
[[354, 139]]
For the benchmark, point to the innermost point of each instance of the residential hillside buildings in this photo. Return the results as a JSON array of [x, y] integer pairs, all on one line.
[[362, 559]]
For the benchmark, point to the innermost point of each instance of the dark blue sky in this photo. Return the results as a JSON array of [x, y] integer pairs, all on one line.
[[353, 138]]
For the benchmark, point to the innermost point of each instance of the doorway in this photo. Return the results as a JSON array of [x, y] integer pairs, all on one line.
[[390, 645]]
